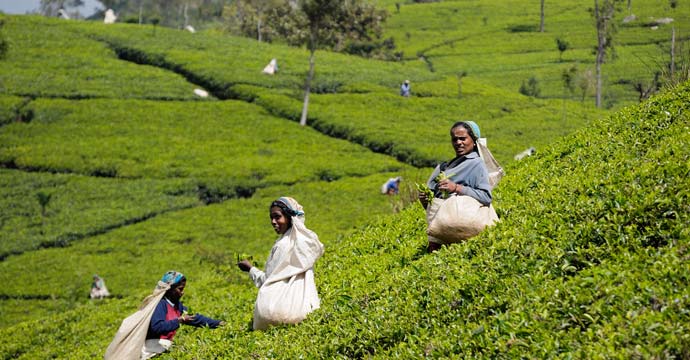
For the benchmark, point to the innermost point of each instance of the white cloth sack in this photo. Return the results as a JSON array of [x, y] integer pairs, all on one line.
[[271, 68], [153, 347], [131, 336], [458, 218], [289, 292], [495, 170], [99, 293]]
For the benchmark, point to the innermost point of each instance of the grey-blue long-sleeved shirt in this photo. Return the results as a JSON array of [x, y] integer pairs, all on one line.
[[468, 171]]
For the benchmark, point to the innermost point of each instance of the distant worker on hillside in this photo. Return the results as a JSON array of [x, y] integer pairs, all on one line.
[[392, 186], [405, 88], [287, 290], [271, 68], [98, 289], [109, 17], [457, 196], [150, 331]]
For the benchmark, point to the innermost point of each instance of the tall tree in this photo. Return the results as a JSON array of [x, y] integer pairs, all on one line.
[[603, 15], [325, 24], [172, 13], [251, 18], [4, 47], [541, 22], [51, 7]]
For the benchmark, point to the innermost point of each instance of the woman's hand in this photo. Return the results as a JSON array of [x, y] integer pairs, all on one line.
[[184, 318], [244, 265], [449, 186], [423, 198]]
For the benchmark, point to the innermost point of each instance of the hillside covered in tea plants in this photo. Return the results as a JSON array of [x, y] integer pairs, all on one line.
[[111, 165]]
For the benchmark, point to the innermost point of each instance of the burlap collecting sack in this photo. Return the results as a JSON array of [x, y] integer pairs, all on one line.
[[131, 336], [458, 218]]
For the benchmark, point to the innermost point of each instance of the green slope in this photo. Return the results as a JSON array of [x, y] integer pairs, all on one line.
[[590, 258], [499, 43]]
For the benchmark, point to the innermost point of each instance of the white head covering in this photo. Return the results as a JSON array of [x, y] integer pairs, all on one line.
[[305, 246]]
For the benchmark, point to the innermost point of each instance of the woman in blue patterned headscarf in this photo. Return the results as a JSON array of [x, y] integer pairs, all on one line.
[[168, 316], [150, 331]]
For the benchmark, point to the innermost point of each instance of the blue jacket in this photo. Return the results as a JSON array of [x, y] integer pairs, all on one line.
[[160, 327]]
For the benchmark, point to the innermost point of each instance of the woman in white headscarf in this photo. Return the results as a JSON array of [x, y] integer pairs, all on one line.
[[287, 290]]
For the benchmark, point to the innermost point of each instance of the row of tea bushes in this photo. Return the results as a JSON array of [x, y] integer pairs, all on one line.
[[590, 259], [415, 130], [197, 239], [231, 146], [75, 207], [217, 60], [47, 58], [48, 298], [354, 85], [500, 43]]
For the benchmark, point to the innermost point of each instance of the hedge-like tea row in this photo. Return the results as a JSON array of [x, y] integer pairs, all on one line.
[[47, 58], [418, 132], [202, 242], [391, 126], [590, 259], [10, 107], [230, 147], [79, 206], [500, 43]]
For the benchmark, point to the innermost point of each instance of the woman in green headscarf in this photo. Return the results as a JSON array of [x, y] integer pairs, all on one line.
[[465, 174]]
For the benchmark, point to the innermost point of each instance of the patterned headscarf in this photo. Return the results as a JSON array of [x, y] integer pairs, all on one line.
[[172, 278]]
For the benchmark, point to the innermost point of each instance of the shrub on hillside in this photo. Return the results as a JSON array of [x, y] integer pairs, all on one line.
[[531, 87]]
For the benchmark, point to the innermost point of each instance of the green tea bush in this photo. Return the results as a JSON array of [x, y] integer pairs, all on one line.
[[195, 240], [10, 107], [49, 59], [206, 58], [79, 206], [422, 123], [455, 36], [228, 145], [589, 259]]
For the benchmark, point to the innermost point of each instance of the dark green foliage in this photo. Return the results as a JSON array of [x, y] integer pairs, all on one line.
[[562, 46], [531, 87], [43, 200], [4, 46], [519, 28], [73, 207], [11, 110]]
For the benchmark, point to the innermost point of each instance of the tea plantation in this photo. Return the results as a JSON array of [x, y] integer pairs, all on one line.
[[111, 165]]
